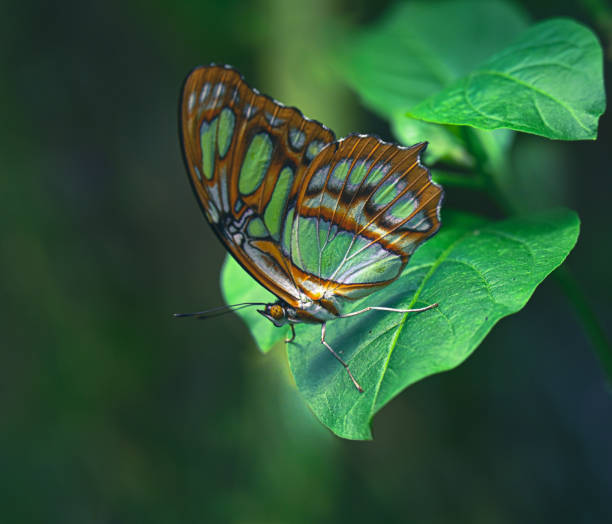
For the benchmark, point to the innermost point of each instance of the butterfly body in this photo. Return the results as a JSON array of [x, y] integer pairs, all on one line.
[[310, 312], [317, 221]]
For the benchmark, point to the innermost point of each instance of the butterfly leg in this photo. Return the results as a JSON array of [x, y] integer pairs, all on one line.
[[359, 388], [289, 340], [378, 308]]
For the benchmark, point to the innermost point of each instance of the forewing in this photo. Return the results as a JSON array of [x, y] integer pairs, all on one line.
[[364, 207], [246, 156]]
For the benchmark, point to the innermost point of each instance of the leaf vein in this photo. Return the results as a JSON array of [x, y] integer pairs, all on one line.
[[519, 241], [415, 297], [533, 88], [478, 272]]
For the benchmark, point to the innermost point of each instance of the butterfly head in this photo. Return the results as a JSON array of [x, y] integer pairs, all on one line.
[[276, 313]]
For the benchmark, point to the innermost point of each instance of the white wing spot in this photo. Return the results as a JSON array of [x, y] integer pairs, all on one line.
[[296, 138], [204, 92], [274, 121], [249, 111], [212, 213], [191, 101]]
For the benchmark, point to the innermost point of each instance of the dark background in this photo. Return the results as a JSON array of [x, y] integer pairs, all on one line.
[[112, 411]]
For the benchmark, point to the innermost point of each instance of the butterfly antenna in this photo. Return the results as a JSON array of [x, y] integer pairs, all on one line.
[[218, 311]]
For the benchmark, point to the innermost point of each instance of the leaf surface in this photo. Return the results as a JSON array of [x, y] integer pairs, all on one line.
[[478, 271], [418, 49], [549, 83]]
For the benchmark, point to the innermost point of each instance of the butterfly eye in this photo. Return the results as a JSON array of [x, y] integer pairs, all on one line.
[[277, 312]]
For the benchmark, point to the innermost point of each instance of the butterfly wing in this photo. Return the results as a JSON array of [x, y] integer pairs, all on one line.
[[246, 156], [363, 209]]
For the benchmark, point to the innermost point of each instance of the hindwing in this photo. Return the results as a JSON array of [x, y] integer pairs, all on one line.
[[363, 208]]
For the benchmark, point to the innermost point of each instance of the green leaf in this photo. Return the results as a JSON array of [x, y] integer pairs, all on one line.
[[549, 83], [478, 271], [238, 286], [418, 49]]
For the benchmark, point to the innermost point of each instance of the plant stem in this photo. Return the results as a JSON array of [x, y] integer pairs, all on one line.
[[590, 323]]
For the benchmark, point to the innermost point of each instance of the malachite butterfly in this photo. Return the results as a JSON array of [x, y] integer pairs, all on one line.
[[317, 221]]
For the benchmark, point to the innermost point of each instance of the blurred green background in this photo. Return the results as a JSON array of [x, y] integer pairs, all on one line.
[[112, 411]]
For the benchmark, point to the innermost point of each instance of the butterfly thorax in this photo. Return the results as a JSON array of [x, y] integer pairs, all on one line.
[[313, 312]]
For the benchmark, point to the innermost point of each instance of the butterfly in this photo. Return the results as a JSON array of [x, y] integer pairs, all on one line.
[[318, 222]]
